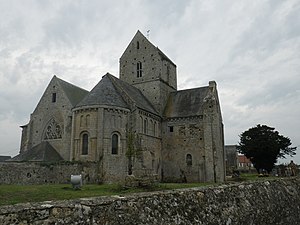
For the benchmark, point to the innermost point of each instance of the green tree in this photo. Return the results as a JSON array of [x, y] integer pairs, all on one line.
[[263, 145]]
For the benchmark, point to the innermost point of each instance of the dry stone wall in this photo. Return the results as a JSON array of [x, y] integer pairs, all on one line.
[[47, 173], [257, 203]]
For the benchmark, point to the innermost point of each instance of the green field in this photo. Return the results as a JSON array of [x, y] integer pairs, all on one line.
[[12, 194]]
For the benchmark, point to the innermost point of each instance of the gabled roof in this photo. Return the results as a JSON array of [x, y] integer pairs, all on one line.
[[75, 94], [43, 152], [186, 103], [112, 91]]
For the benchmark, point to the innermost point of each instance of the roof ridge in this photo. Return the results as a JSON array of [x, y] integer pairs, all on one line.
[[132, 102], [69, 83], [105, 92], [190, 89], [73, 93], [119, 88]]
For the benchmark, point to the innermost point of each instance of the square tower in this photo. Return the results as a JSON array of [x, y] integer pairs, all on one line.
[[147, 68]]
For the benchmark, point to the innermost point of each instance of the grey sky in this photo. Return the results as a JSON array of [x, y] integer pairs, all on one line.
[[251, 48]]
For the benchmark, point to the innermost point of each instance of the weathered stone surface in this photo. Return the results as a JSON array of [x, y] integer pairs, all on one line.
[[48, 173], [263, 203]]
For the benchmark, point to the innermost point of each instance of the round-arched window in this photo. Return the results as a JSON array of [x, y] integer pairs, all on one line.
[[114, 144], [189, 160]]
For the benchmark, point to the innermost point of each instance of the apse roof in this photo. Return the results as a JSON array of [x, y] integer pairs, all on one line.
[[115, 92]]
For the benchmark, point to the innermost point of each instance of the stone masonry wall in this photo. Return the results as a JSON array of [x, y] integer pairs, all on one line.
[[186, 138], [257, 203], [47, 173]]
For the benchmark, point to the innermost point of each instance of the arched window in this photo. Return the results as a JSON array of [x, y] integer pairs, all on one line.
[[114, 144], [53, 130], [53, 97], [139, 70], [142, 123], [151, 127], [81, 121], [87, 120], [189, 160], [145, 126], [85, 144], [138, 45]]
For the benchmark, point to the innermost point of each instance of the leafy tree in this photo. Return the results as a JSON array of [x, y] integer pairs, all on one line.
[[263, 145]]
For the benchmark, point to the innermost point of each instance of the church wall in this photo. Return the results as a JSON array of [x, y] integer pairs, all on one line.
[[148, 162], [48, 115], [115, 166], [157, 93], [148, 128], [85, 122], [25, 138], [183, 150], [214, 138], [168, 73]]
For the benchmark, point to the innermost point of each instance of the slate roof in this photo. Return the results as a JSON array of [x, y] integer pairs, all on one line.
[[186, 103], [104, 93], [134, 94], [43, 152], [111, 90], [75, 94]]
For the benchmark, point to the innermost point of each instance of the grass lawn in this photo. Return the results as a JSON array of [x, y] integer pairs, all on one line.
[[12, 194]]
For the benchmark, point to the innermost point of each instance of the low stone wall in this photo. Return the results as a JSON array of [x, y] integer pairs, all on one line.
[[47, 173], [256, 203]]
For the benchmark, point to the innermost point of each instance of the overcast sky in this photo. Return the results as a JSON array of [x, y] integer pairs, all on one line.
[[251, 48]]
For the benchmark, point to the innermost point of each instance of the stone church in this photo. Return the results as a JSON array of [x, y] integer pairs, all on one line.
[[136, 124]]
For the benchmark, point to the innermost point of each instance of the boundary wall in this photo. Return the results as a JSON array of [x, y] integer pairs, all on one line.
[[24, 173], [254, 203]]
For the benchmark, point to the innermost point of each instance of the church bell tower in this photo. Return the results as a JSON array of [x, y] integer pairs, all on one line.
[[147, 68]]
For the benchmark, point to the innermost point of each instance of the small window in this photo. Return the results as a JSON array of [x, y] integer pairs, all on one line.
[[189, 160], [139, 70], [171, 128], [142, 123], [138, 45], [53, 97], [87, 120], [85, 144], [81, 121], [145, 126], [114, 144]]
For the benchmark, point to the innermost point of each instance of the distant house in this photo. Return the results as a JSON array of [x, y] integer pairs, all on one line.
[[3, 158], [244, 162]]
